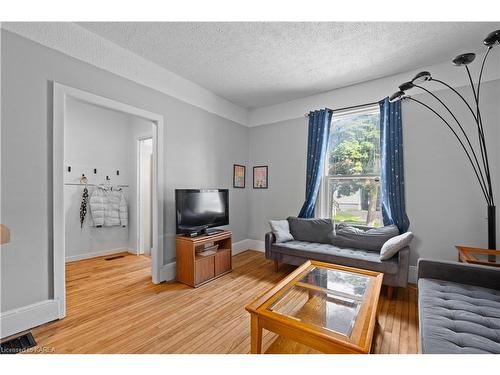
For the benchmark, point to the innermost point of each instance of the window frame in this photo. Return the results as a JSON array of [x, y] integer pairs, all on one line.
[[322, 203]]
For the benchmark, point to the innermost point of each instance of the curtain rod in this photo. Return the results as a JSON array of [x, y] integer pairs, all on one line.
[[351, 107]]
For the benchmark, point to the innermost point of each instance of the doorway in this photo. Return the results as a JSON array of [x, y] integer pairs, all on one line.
[[63, 94], [145, 193]]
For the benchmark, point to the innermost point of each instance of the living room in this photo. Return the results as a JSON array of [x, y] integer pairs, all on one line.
[[293, 200]]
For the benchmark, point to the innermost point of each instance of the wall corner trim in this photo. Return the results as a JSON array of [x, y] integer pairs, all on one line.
[[412, 275], [248, 244], [27, 317], [73, 258], [167, 272]]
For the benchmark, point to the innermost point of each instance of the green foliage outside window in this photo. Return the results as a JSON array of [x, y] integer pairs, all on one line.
[[354, 151]]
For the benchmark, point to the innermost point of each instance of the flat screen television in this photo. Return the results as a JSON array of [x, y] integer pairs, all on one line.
[[199, 209]]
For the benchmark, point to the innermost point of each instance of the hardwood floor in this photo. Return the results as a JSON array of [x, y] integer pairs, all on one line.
[[112, 307]]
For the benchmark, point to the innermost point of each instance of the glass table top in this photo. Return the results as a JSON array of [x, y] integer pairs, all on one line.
[[327, 298]]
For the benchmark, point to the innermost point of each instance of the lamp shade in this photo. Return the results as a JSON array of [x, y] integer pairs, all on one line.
[[396, 96], [422, 77], [406, 86], [492, 38], [464, 59]]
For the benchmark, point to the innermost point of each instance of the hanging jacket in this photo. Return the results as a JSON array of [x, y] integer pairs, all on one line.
[[83, 206], [108, 207]]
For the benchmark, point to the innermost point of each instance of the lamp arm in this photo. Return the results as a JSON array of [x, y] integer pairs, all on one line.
[[459, 140], [478, 112], [481, 72], [484, 153], [482, 141], [459, 95], [480, 134], [463, 132], [488, 177], [471, 83]]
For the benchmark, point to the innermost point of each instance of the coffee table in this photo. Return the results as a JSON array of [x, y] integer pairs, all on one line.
[[476, 255], [327, 307]]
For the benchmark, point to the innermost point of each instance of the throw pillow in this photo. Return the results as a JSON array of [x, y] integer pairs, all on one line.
[[394, 244], [357, 238], [312, 230], [281, 230]]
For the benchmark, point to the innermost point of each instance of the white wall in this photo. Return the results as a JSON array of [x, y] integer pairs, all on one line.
[[200, 150], [104, 139], [79, 43], [444, 202], [283, 147]]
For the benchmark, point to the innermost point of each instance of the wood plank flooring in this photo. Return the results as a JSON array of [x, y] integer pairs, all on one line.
[[112, 307]]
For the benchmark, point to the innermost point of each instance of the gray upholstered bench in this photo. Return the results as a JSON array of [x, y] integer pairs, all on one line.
[[459, 307], [297, 252]]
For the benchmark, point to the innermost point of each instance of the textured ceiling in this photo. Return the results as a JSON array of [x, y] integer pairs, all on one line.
[[257, 64]]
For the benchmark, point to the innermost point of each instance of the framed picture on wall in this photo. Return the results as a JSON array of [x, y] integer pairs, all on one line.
[[260, 177], [239, 172]]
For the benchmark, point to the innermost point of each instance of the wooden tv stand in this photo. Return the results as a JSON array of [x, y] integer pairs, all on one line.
[[196, 269]]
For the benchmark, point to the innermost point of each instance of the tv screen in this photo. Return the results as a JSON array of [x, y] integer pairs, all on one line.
[[201, 208]]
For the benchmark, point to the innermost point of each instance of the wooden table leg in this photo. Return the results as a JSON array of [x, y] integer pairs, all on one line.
[[379, 309], [390, 292], [311, 293], [256, 335]]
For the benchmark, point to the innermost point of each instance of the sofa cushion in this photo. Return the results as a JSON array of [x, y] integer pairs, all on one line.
[[281, 230], [458, 318], [371, 239], [394, 244], [312, 230], [332, 254]]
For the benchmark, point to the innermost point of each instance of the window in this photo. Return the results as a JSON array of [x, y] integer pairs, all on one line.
[[351, 184]]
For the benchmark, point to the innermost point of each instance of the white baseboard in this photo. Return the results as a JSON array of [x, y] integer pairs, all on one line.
[[248, 244], [412, 275], [27, 317], [73, 258], [240, 246], [167, 272], [258, 245]]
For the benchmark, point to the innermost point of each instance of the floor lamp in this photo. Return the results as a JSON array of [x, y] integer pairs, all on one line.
[[477, 156]]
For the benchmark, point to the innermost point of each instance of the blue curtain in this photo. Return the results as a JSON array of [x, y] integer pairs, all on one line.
[[317, 144], [392, 173]]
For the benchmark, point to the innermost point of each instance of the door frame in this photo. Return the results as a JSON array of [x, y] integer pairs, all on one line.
[[61, 94], [138, 171]]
